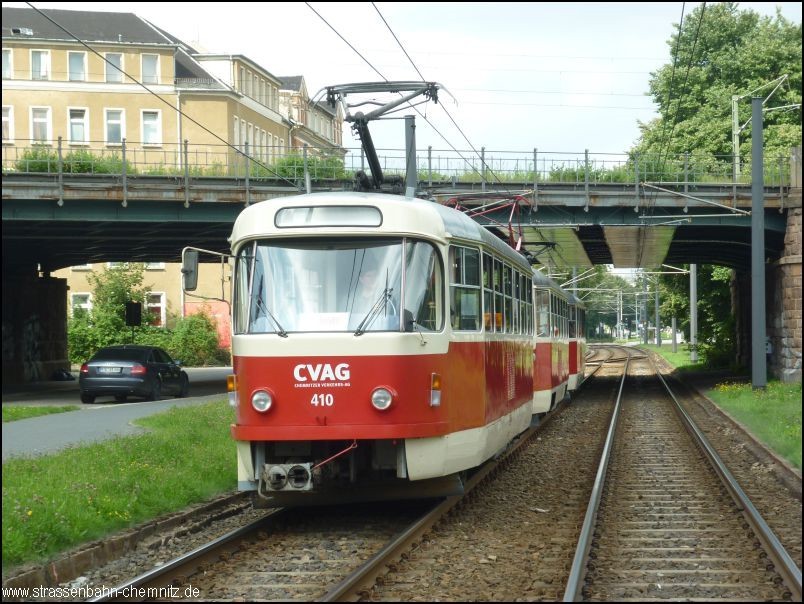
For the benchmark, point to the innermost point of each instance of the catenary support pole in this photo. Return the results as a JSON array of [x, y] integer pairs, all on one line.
[[759, 367]]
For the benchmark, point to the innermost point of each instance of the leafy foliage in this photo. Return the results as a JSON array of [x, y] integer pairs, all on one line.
[[193, 339], [716, 327], [719, 52]]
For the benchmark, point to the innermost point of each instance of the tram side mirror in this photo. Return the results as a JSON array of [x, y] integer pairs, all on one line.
[[408, 317], [189, 269]]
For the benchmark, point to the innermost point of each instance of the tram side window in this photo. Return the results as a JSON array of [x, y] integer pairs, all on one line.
[[498, 296], [525, 304], [542, 313], [508, 294], [464, 288], [572, 321], [488, 293], [245, 259], [423, 286], [555, 316]]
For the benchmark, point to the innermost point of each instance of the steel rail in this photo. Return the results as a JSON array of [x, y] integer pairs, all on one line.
[[365, 576], [782, 561], [579, 568], [161, 576]]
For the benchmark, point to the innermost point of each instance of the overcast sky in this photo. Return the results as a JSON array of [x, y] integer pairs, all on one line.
[[561, 77]]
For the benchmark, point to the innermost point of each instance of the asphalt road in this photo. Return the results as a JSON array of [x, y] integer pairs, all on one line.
[[204, 381], [92, 423]]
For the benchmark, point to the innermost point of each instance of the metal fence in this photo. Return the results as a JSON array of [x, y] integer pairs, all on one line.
[[434, 166]]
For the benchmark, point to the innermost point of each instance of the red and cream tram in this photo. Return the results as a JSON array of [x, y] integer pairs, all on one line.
[[551, 343], [381, 346]]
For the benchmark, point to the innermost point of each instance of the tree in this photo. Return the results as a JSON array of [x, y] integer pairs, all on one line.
[[716, 341], [600, 298], [720, 51], [105, 324]]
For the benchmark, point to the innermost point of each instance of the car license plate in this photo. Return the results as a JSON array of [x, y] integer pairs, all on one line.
[[109, 369]]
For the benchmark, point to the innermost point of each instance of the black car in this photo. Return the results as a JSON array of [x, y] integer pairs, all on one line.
[[132, 370]]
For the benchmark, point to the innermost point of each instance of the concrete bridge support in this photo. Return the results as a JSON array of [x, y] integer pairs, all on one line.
[[34, 328]]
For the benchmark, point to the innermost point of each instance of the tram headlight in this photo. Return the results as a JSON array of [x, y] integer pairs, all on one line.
[[381, 398], [262, 401]]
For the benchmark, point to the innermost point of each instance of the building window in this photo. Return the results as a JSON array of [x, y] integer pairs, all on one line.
[[155, 303], [78, 127], [243, 80], [40, 124], [236, 133], [150, 69], [81, 267], [154, 266], [8, 124], [115, 126], [8, 70], [151, 128], [77, 66], [40, 64], [80, 301], [114, 72]]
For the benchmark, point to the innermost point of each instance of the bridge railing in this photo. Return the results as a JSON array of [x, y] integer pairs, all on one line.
[[434, 166]]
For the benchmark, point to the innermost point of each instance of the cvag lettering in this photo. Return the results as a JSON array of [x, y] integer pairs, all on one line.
[[321, 372]]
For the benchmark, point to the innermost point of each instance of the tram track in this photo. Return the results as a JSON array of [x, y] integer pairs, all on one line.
[[666, 520], [511, 537]]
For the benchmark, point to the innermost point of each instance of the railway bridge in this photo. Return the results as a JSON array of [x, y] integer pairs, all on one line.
[[55, 220]]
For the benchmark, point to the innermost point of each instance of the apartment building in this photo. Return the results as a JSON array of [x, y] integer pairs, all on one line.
[[95, 84], [136, 83], [314, 124]]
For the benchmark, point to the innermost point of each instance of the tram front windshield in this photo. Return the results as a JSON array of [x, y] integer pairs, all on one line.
[[331, 285]]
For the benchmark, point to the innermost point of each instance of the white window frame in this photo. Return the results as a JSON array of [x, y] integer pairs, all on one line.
[[10, 121], [142, 69], [49, 138], [83, 74], [87, 306], [162, 305], [70, 126], [106, 141], [158, 113], [109, 70], [236, 133], [8, 74], [81, 267], [154, 266], [46, 74]]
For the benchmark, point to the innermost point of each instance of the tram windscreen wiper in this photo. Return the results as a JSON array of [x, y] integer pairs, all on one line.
[[280, 331], [385, 296]]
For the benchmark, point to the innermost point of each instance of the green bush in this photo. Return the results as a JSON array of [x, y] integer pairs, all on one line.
[[38, 159], [195, 340]]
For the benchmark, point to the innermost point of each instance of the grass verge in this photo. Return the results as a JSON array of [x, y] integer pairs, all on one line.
[[680, 360], [55, 502], [12, 414], [772, 415]]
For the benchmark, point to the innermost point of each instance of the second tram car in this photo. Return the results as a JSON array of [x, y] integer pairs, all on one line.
[[551, 341], [381, 347], [577, 343]]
